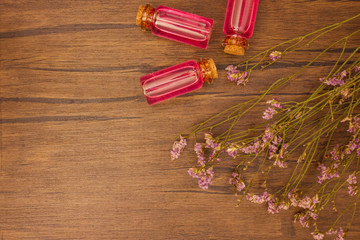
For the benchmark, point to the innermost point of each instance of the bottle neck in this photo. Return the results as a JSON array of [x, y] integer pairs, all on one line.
[[145, 16], [208, 70], [235, 44], [236, 40]]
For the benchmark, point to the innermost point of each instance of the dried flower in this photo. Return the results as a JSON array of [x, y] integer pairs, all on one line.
[[178, 147], [336, 80], [234, 75], [232, 150], [317, 235], [354, 125], [303, 131], [275, 55], [356, 68], [204, 176], [331, 232], [340, 235], [274, 103], [269, 113], [237, 182], [198, 148]]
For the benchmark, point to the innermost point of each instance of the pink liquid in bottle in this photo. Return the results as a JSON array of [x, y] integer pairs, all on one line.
[[239, 25], [175, 25], [177, 80]]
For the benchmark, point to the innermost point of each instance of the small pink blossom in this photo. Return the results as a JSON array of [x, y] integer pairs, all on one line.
[[353, 145], [304, 222], [178, 147], [268, 135], [326, 173], [341, 235], [303, 218], [269, 113], [204, 176], [259, 199], [252, 148], [317, 235], [272, 207], [232, 150], [352, 179], [354, 124], [275, 55], [353, 190], [237, 182], [280, 163], [234, 75], [331, 232], [335, 80], [274, 103], [198, 148], [231, 68], [294, 198], [210, 142]]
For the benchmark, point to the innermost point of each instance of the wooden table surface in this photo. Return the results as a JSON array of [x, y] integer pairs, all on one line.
[[82, 154]]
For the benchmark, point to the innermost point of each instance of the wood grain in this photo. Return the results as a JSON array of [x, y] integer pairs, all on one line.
[[84, 157]]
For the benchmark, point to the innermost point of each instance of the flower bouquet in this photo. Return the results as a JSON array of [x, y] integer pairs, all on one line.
[[301, 137]]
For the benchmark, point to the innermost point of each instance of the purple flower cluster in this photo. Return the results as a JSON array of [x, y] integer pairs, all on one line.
[[327, 173], [337, 155], [352, 146], [356, 68], [275, 55], [204, 176], [198, 148], [277, 147], [259, 199], [309, 206], [308, 203], [271, 111], [317, 235], [305, 218], [336, 80], [232, 150], [354, 125], [277, 150], [330, 172], [274, 205], [252, 148], [237, 182], [200, 172], [177, 148], [352, 187], [340, 234], [234, 75], [211, 143]]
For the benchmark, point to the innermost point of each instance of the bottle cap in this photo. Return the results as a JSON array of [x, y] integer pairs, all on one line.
[[234, 50], [140, 15], [213, 69]]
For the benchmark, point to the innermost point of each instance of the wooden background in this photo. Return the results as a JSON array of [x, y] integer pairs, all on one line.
[[82, 154]]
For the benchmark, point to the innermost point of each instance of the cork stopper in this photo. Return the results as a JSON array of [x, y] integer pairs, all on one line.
[[145, 16], [140, 15], [234, 50], [212, 66], [208, 69]]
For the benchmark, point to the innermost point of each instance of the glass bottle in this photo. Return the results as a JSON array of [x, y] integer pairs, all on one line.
[[239, 25], [175, 25], [177, 80]]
